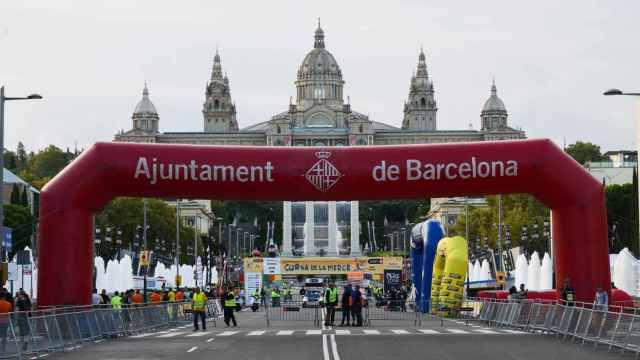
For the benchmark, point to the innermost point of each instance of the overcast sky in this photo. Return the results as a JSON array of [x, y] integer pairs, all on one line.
[[89, 59]]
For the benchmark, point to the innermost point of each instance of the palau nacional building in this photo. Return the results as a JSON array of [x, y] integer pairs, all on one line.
[[320, 116]]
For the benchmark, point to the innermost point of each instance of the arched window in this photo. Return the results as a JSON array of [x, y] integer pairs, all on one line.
[[423, 101], [216, 104]]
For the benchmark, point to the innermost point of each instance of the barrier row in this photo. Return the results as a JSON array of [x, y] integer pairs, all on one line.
[[26, 333], [586, 323]]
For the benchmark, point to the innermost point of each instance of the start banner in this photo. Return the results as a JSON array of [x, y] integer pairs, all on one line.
[[318, 266], [322, 265]]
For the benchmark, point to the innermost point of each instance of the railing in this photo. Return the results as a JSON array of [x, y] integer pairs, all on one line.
[[616, 327], [63, 328], [291, 310]]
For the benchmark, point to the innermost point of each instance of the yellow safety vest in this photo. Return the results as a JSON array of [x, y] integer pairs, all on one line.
[[230, 303], [198, 301], [333, 295], [275, 294], [116, 302]]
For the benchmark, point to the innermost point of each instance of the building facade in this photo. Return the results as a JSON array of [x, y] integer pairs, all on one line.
[[320, 116]]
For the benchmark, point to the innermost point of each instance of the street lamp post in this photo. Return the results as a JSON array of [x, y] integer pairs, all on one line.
[[2, 100], [237, 247], [637, 95]]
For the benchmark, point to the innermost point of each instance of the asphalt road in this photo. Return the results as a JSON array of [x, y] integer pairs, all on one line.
[[300, 340]]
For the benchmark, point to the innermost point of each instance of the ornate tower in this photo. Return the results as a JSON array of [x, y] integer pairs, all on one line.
[[319, 77], [420, 109], [494, 114], [145, 117], [219, 110]]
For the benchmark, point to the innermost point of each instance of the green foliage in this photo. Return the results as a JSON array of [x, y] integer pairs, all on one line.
[[15, 195], [622, 215], [24, 197], [584, 152], [403, 211], [127, 214], [48, 162], [19, 219], [517, 209]]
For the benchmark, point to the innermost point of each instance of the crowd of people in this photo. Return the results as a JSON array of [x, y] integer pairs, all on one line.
[[20, 306]]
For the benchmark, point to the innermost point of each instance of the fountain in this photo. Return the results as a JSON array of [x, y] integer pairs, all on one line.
[[533, 273], [546, 273]]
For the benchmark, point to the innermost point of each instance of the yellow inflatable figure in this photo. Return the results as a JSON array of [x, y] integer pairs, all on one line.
[[449, 274]]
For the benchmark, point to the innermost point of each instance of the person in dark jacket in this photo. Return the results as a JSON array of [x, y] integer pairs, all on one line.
[[345, 302], [568, 293], [356, 307]]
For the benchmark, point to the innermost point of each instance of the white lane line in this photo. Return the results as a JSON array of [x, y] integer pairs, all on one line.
[[325, 348], [314, 332], [172, 334], [210, 340], [228, 333], [334, 348], [198, 334], [142, 335], [192, 349], [256, 333], [429, 331], [285, 332], [343, 332], [457, 331], [400, 332], [513, 331], [483, 331], [371, 332]]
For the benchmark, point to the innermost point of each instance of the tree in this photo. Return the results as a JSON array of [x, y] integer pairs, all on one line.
[[48, 162], [24, 197], [10, 160], [15, 195], [22, 159], [19, 219], [622, 217], [584, 152]]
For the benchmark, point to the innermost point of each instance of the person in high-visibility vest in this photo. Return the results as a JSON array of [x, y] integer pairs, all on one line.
[[198, 307], [256, 298], [275, 297], [116, 301], [330, 300], [229, 307], [171, 295]]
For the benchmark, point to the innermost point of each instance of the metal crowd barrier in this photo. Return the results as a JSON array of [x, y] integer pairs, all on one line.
[[291, 311], [58, 329], [615, 327], [391, 310]]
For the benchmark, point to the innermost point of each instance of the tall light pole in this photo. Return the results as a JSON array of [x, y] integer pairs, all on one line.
[[2, 100], [637, 95]]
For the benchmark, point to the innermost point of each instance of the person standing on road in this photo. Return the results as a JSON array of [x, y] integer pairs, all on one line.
[[568, 293], [23, 306], [5, 309], [275, 297], [357, 307], [331, 299], [230, 307], [198, 305], [95, 298], [116, 301], [601, 302], [346, 305], [105, 298], [137, 298]]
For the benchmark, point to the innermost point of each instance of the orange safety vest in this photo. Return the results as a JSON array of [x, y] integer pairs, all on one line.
[[179, 296]]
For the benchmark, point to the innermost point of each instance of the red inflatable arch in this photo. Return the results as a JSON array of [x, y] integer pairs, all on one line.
[[108, 170]]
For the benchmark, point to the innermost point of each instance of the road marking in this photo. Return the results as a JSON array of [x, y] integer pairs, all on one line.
[[192, 349], [513, 331], [285, 332], [484, 331], [210, 340], [371, 332], [314, 332], [228, 333], [343, 332], [142, 335], [334, 348], [198, 334], [457, 331], [400, 332], [325, 349], [256, 333], [172, 334], [429, 331]]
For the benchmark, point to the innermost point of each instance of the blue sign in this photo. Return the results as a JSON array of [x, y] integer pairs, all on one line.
[[7, 241]]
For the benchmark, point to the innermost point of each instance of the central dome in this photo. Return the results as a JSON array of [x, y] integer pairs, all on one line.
[[319, 76]]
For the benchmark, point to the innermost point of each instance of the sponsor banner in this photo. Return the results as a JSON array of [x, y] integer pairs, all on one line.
[[315, 266], [392, 279], [271, 266], [253, 264], [355, 276], [377, 265], [252, 281]]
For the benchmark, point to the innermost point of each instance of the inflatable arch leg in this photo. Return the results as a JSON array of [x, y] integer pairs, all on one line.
[[425, 238], [449, 273]]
